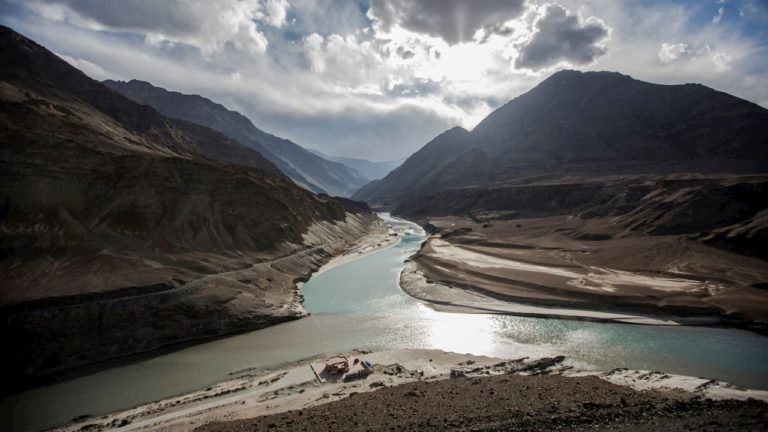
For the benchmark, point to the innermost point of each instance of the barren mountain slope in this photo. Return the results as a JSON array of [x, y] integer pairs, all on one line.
[[304, 167], [120, 232]]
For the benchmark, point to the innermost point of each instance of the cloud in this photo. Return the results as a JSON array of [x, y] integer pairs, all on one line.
[[454, 21], [92, 70], [276, 12], [720, 12], [208, 25], [754, 10], [669, 53], [561, 36], [345, 61], [327, 17], [341, 77], [377, 135], [313, 45], [722, 61]]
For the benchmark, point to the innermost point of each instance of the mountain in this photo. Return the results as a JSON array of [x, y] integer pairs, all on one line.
[[419, 170], [658, 159], [368, 169], [122, 230], [305, 168], [593, 122]]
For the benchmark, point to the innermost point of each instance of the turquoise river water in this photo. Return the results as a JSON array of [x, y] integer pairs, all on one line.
[[360, 305]]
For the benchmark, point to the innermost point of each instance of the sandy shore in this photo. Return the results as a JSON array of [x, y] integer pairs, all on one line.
[[387, 233], [382, 236], [549, 267], [448, 299], [294, 387]]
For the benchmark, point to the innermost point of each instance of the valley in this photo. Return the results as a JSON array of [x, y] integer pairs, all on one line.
[[587, 251], [358, 306]]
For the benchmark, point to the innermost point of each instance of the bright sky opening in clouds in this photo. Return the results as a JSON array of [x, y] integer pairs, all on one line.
[[378, 79]]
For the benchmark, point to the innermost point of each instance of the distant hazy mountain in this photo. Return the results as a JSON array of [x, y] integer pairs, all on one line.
[[594, 122], [305, 168], [368, 169], [110, 211]]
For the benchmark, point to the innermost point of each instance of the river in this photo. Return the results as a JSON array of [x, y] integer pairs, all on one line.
[[360, 305]]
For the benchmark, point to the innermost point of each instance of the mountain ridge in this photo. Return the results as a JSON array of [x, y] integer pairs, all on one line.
[[603, 121], [305, 168], [368, 169]]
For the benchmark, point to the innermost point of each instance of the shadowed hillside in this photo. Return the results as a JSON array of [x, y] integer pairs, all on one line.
[[122, 230], [305, 168]]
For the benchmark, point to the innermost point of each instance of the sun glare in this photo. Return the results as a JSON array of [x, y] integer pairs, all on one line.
[[463, 333]]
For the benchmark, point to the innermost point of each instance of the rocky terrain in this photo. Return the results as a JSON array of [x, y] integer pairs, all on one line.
[[306, 168], [122, 230], [436, 390], [518, 403]]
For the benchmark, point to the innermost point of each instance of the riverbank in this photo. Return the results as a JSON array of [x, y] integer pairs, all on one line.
[[565, 267], [381, 236], [360, 305], [291, 397], [92, 330]]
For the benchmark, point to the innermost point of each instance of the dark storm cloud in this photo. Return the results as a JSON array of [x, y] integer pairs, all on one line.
[[452, 20], [560, 36], [499, 29]]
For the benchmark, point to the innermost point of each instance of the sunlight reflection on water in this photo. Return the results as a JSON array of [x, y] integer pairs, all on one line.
[[464, 333]]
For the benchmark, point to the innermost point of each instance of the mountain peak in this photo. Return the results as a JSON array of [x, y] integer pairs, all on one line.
[[456, 130], [454, 134], [586, 122], [567, 75], [129, 82]]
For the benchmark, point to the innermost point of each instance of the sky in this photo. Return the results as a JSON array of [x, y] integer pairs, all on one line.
[[378, 79]]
